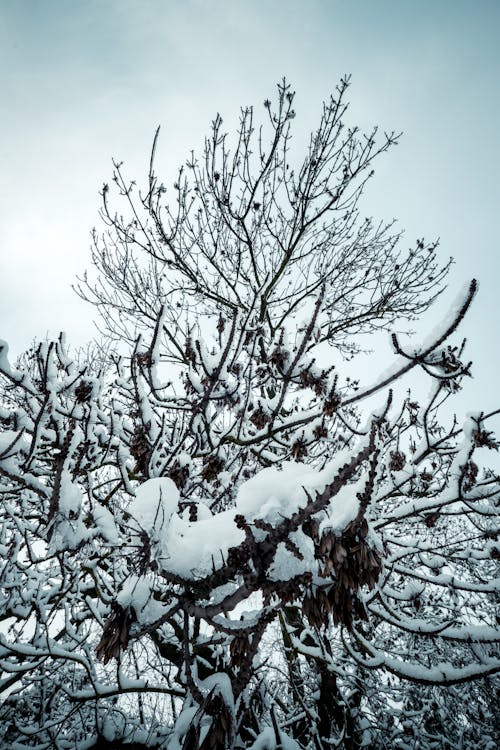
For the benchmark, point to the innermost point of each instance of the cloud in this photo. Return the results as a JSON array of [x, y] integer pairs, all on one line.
[[82, 82]]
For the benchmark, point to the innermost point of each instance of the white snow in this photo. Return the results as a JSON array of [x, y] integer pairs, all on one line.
[[195, 549], [155, 502], [267, 741], [12, 446], [105, 523], [70, 496]]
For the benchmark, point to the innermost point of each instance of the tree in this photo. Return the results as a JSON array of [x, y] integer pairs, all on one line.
[[206, 541]]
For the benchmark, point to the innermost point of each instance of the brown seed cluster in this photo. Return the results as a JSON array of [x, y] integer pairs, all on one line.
[[350, 563], [178, 474], [299, 449], [470, 471], [83, 392], [140, 450], [239, 649], [331, 403], [116, 633], [259, 417], [485, 439], [397, 460], [279, 356], [309, 379], [320, 431], [212, 467]]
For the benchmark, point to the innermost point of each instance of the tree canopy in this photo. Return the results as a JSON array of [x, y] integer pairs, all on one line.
[[211, 535]]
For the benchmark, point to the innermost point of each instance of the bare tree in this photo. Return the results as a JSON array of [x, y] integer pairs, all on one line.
[[207, 542]]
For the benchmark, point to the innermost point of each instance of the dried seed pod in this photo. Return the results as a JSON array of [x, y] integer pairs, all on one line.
[[140, 449], [397, 460], [331, 403], [239, 649], [299, 449], [470, 471], [116, 633], [179, 474], [259, 418], [350, 563], [320, 432], [212, 467], [309, 379], [83, 392]]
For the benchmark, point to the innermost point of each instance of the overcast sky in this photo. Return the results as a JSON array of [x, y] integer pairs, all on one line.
[[84, 80]]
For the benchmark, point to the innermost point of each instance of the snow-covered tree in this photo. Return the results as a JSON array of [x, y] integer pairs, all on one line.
[[212, 536]]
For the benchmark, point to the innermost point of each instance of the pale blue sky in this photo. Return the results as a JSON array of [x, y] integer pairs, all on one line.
[[83, 81]]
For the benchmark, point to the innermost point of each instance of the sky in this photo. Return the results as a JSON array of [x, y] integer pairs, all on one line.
[[83, 81]]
